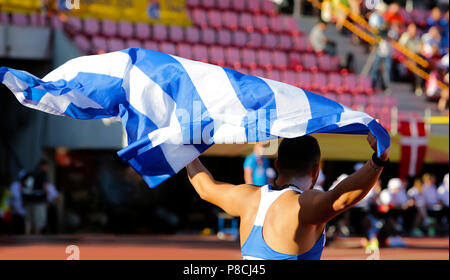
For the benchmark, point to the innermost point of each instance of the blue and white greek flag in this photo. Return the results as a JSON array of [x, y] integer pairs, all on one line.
[[174, 109]]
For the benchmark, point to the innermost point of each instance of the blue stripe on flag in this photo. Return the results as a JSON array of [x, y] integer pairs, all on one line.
[[318, 105], [254, 95], [173, 79]]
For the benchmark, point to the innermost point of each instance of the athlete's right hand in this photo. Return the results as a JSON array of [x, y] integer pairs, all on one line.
[[373, 144]]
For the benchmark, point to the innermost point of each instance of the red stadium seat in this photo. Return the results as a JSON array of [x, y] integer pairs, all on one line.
[[243, 70], [37, 19], [4, 18], [91, 26], [268, 7], [125, 29], [326, 63], [304, 80], [335, 82], [74, 25], [254, 7], [238, 5], [115, 44], [208, 36], [258, 72], [350, 83], [276, 24], [230, 20], [22, 19], [375, 100], [360, 100], [99, 45], [299, 44], [224, 37], [142, 31], [309, 62], [285, 42], [365, 85], [270, 41], [199, 18], [176, 33], [249, 58], [192, 35], [200, 53], [214, 19], [167, 47], [224, 5], [82, 43], [289, 77], [151, 45], [233, 57], [274, 74], [255, 40], [261, 23], [208, 4], [291, 26], [331, 96], [133, 43], [159, 32], [239, 38], [184, 50], [280, 60], [264, 59], [246, 22], [345, 99], [217, 55], [56, 23], [295, 61], [109, 28], [319, 82], [193, 3]]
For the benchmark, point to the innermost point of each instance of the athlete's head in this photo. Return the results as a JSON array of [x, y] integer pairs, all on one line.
[[298, 157]]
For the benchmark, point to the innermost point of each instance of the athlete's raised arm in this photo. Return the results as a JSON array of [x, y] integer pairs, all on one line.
[[320, 207], [231, 198]]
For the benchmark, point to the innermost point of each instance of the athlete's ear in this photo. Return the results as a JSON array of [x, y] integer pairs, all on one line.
[[275, 164], [315, 171]]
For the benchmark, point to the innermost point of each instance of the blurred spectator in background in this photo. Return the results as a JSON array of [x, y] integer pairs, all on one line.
[[434, 19], [257, 170], [376, 19], [339, 13], [382, 63], [397, 205], [431, 43], [416, 194], [17, 209], [444, 31], [443, 195], [393, 15], [37, 192], [319, 41], [5, 210], [412, 41]]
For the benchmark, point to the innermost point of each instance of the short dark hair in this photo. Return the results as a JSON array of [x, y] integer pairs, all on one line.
[[298, 154]]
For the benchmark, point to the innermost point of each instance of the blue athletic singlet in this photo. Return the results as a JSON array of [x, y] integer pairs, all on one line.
[[255, 248]]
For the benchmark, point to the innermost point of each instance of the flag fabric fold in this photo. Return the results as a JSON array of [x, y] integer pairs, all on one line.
[[173, 109]]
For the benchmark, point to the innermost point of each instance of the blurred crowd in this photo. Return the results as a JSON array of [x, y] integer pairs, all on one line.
[[427, 37], [387, 214]]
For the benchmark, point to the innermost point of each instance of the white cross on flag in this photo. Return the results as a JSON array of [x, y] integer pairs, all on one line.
[[413, 147]]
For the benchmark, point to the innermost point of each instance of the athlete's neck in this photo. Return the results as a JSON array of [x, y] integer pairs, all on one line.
[[303, 183]]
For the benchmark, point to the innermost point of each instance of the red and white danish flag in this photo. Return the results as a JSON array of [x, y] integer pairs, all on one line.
[[413, 147]]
